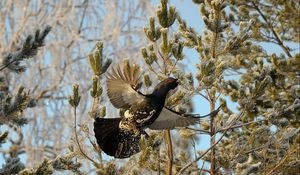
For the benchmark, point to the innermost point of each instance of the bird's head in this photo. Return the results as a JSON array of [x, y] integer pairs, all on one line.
[[170, 83], [162, 89]]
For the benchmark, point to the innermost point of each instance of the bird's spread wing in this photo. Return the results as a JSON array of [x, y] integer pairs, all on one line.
[[122, 84], [169, 119]]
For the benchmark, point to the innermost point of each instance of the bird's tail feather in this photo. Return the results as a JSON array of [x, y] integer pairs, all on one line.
[[213, 113], [113, 141], [201, 118]]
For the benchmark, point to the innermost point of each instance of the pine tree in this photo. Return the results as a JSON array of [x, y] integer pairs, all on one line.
[[13, 105], [14, 101], [259, 136]]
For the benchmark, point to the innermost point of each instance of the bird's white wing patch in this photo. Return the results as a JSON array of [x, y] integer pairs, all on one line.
[[143, 120], [128, 115], [169, 119]]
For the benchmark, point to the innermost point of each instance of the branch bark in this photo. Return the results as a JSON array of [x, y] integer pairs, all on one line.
[[212, 140], [170, 152], [77, 140], [240, 125]]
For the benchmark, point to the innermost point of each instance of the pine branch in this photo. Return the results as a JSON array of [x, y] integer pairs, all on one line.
[[12, 166], [283, 160], [60, 163], [279, 42], [3, 137], [28, 50], [12, 107]]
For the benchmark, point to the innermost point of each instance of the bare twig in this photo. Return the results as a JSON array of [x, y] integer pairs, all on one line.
[[257, 148], [208, 95], [85, 3], [77, 140], [224, 133], [281, 162], [6, 65], [279, 42], [240, 125], [173, 67], [202, 168], [159, 53], [203, 96]]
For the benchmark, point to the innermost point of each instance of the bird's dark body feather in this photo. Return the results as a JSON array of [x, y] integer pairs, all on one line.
[[120, 137], [145, 112], [113, 141]]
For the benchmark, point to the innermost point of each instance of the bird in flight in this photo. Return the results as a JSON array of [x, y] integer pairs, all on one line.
[[120, 137]]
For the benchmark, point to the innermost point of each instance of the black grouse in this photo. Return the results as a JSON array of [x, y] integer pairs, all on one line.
[[120, 137]]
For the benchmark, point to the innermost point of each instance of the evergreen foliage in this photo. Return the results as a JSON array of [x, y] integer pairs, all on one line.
[[259, 136], [13, 105]]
